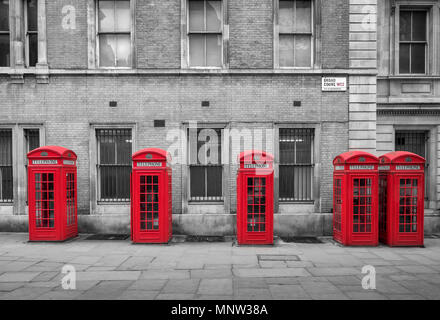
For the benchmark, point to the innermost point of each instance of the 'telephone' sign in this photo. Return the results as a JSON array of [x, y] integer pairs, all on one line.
[[334, 84]]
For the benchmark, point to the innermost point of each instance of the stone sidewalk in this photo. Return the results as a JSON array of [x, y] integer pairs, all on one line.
[[121, 270]]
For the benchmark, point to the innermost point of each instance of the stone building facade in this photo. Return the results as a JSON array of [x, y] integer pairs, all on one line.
[[107, 78]]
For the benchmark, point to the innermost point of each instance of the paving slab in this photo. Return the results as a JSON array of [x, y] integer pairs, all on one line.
[[215, 287], [181, 286], [18, 276], [274, 272], [107, 275], [288, 292]]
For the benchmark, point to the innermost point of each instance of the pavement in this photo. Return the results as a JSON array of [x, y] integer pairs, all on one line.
[[218, 271]]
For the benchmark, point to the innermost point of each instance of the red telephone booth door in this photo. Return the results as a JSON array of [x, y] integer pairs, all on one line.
[[70, 195], [148, 212], [43, 221], [409, 222], [363, 220], [257, 220]]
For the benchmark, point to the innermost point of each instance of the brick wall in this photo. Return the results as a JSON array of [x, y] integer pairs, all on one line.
[[68, 105], [158, 33], [66, 48], [251, 33], [334, 33]]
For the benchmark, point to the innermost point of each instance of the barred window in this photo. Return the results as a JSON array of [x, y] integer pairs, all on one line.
[[205, 33], [415, 141], [31, 142], [295, 33], [6, 191], [5, 46], [32, 139], [206, 170], [296, 165], [31, 27], [114, 33], [114, 164]]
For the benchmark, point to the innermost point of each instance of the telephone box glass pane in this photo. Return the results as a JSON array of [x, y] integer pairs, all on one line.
[[362, 202], [70, 199], [383, 203], [149, 202], [256, 204], [408, 205], [338, 204], [44, 200]]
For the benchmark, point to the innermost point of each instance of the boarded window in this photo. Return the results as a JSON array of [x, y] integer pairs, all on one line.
[[413, 41], [6, 191], [206, 170], [5, 48], [295, 33], [114, 164], [205, 33], [296, 165], [114, 33]]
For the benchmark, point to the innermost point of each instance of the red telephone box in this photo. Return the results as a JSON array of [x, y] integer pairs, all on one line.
[[255, 198], [151, 197], [355, 199], [401, 199], [52, 194]]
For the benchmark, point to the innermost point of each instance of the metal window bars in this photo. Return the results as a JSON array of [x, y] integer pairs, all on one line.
[[296, 165], [6, 182], [114, 164]]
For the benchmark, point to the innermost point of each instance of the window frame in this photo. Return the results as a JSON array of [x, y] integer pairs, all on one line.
[[132, 37], [185, 33], [9, 33], [312, 165], [410, 42], [276, 36], [431, 43], [12, 201], [27, 33], [98, 164], [191, 199]]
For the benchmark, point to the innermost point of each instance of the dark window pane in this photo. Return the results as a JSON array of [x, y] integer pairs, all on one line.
[[33, 49], [214, 178], [114, 163], [404, 53], [32, 137], [206, 170], [4, 50], [197, 180], [208, 142], [296, 167], [32, 15], [419, 26], [6, 191], [4, 15], [405, 25], [418, 58]]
